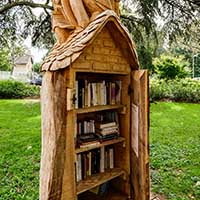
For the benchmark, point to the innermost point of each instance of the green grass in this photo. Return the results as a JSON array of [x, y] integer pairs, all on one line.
[[174, 138], [175, 150], [19, 149]]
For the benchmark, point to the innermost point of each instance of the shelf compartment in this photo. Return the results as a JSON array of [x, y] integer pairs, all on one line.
[[98, 108], [106, 143], [98, 179], [112, 195]]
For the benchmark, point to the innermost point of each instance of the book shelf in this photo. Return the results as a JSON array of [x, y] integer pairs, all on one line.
[[115, 105], [95, 117]]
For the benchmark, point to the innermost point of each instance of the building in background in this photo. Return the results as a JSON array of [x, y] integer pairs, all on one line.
[[23, 68]]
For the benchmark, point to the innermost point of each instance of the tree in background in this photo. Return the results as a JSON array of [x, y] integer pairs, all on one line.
[[36, 67], [169, 67], [19, 19], [4, 60], [177, 17]]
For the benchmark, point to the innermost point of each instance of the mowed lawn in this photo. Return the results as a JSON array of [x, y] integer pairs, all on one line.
[[174, 142], [175, 150]]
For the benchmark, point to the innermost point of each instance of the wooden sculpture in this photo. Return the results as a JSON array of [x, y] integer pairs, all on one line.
[[74, 15], [93, 47]]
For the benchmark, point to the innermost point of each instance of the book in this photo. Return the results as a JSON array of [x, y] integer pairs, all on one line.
[[118, 88], [102, 161], [103, 138], [78, 168], [107, 131], [95, 167], [87, 137], [104, 124], [80, 93], [76, 95], [88, 144], [111, 158]]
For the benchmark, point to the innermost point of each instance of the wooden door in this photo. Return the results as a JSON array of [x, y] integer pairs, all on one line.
[[139, 149]]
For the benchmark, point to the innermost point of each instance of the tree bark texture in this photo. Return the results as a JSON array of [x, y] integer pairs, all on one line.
[[53, 157]]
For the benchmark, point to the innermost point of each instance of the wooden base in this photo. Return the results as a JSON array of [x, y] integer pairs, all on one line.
[[112, 195]]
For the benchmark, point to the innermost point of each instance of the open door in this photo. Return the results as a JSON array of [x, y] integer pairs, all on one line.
[[139, 162]]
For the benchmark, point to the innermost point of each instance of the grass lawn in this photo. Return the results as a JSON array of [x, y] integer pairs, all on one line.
[[19, 149], [175, 150]]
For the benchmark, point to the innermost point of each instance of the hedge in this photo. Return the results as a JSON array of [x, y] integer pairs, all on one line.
[[182, 90], [10, 89]]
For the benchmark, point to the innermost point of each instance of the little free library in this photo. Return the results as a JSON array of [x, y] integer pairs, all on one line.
[[95, 108]]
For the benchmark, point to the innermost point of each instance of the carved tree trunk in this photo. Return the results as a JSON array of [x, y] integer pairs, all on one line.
[[53, 100]]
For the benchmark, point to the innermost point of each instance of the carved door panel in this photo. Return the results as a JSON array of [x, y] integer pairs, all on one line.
[[139, 135]]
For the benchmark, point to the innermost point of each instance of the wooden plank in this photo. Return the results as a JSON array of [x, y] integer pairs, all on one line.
[[98, 179], [110, 142], [98, 108], [140, 136]]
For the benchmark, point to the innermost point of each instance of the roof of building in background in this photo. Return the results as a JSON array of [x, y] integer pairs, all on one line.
[[23, 59]]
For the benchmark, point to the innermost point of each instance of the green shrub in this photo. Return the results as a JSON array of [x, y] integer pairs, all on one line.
[[184, 90], [15, 89], [168, 67]]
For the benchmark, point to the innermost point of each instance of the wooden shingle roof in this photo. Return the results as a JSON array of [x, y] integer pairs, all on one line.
[[62, 56]]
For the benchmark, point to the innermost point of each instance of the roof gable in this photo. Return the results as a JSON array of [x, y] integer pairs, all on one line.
[[62, 56], [23, 60]]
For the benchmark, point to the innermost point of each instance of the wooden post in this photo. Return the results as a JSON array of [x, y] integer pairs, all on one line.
[[53, 102]]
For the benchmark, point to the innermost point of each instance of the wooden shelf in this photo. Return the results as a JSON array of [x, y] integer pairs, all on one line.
[[112, 195], [98, 179], [98, 108], [106, 143]]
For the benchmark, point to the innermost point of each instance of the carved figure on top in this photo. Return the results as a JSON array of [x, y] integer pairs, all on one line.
[[71, 16]]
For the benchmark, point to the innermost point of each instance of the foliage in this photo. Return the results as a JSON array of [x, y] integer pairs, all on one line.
[[10, 52], [184, 90], [38, 26], [172, 18], [19, 149], [140, 15], [169, 67], [174, 149], [196, 65], [145, 58], [15, 89], [36, 67], [4, 60]]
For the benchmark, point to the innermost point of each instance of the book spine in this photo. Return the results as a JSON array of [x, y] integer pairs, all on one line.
[[111, 158], [90, 163], [79, 168], [89, 94], [112, 93], [76, 95], [102, 159], [86, 94]]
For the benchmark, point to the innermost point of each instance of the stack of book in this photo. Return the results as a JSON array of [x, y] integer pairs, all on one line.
[[97, 93], [93, 162], [85, 133], [87, 139], [107, 131]]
